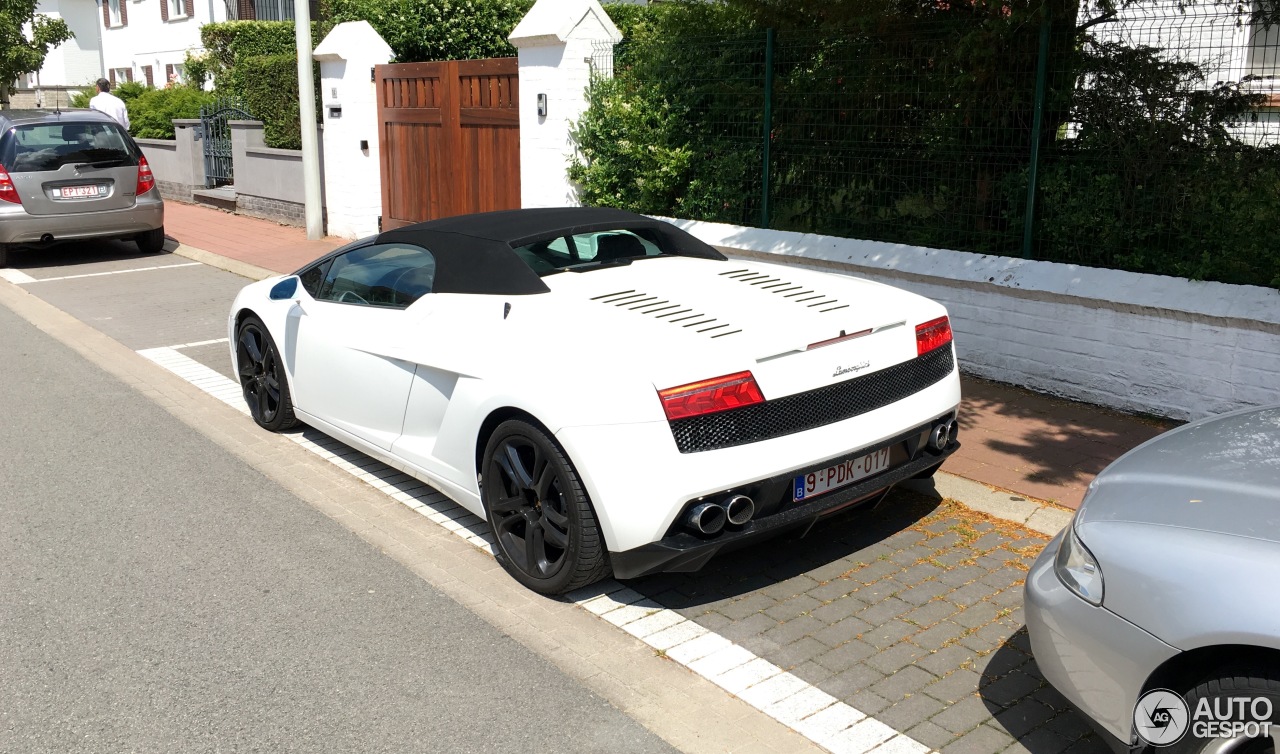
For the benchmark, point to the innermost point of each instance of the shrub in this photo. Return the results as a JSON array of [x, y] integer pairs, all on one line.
[[902, 131], [125, 90], [255, 63], [425, 30], [230, 41], [196, 69], [271, 95], [151, 113]]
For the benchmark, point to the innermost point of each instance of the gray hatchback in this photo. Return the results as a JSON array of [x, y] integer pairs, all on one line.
[[1155, 612], [74, 175]]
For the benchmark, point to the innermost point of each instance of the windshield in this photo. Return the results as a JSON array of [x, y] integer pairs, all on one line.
[[585, 251], [49, 146]]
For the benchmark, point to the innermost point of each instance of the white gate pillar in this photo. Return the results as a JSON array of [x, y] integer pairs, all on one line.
[[352, 178], [556, 42]]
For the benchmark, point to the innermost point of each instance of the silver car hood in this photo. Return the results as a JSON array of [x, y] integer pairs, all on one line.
[[1220, 474]]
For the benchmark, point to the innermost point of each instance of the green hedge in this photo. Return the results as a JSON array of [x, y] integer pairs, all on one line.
[[125, 90], [918, 131], [271, 95], [231, 43], [255, 63], [152, 112], [425, 30]]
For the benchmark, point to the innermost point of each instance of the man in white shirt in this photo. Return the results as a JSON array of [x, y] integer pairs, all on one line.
[[106, 102]]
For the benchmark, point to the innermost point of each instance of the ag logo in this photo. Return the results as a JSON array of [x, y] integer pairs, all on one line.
[[1161, 717]]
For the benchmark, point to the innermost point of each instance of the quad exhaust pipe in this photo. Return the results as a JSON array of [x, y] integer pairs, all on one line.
[[943, 434], [739, 509], [707, 518], [710, 518]]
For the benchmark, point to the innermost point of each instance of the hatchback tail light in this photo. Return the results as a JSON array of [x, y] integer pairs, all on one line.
[[932, 335], [710, 396], [8, 192], [146, 181]]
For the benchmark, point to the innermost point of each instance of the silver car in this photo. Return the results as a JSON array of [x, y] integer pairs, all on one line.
[[74, 175], [1156, 612]]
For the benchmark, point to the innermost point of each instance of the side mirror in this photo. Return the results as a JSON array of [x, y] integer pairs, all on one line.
[[284, 289]]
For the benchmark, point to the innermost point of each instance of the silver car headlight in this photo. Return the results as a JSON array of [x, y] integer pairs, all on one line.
[[1077, 568]]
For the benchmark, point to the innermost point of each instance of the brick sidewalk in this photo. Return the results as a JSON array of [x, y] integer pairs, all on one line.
[[281, 248], [1030, 444]]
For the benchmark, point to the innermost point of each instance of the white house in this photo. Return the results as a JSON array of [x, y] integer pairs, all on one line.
[[147, 40], [1222, 39], [77, 60]]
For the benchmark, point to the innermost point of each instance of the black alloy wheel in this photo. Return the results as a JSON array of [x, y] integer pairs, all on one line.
[[547, 534], [262, 378]]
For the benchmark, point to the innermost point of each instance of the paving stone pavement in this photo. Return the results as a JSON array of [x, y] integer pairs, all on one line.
[[911, 612]]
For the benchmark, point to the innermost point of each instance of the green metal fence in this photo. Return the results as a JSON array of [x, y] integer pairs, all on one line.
[[1143, 139]]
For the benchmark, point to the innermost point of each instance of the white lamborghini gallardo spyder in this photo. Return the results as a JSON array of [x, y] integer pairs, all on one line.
[[613, 394]]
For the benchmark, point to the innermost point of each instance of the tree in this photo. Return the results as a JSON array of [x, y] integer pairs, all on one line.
[[20, 53]]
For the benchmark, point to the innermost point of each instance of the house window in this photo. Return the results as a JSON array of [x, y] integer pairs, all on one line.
[[122, 74], [177, 8], [1264, 51], [113, 9]]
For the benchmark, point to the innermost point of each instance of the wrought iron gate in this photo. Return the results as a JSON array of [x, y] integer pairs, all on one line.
[[215, 128]]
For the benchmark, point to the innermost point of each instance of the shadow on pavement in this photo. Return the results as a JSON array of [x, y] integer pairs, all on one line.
[[765, 563], [75, 253], [1028, 708], [1061, 441]]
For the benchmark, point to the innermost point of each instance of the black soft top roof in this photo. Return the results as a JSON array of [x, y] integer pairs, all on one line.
[[475, 253]]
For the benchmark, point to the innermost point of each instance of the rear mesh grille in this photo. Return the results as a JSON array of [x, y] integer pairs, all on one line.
[[815, 408]]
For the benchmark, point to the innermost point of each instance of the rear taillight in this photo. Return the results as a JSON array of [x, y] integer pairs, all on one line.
[[933, 334], [146, 181], [8, 192], [710, 396]]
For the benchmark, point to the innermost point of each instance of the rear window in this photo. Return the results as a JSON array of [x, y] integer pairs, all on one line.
[[49, 146], [586, 250]]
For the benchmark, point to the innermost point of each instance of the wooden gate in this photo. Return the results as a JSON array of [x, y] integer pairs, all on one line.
[[450, 138]]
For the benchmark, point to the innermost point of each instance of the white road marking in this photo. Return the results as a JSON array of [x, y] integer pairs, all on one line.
[[30, 279], [17, 277], [786, 698], [201, 343]]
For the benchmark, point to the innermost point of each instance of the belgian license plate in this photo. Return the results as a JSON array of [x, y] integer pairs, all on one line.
[[82, 192], [840, 475]]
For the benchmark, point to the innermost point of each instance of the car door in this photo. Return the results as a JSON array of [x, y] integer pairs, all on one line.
[[344, 332]]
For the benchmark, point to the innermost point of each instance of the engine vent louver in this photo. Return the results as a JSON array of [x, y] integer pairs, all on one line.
[[667, 311], [800, 294]]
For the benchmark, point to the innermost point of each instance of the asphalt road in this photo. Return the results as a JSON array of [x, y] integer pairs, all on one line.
[[158, 596]]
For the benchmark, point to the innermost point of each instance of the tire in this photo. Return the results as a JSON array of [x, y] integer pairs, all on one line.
[[151, 242], [1249, 681], [4, 256], [547, 534], [262, 378]]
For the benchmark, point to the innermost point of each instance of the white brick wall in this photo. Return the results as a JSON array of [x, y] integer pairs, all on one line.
[[1135, 342]]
